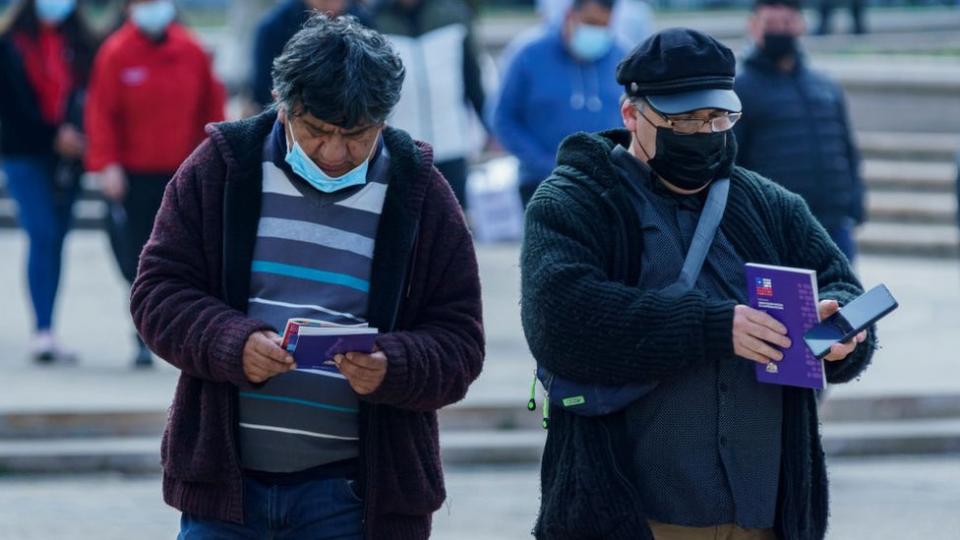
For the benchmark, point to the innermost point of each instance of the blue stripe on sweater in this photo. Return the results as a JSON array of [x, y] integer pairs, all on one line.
[[311, 274], [295, 401]]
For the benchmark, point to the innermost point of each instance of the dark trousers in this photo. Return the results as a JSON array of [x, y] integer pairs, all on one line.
[[856, 11], [455, 171], [318, 510], [843, 237], [131, 221], [45, 211]]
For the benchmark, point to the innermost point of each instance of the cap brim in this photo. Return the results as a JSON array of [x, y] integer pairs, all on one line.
[[724, 100]]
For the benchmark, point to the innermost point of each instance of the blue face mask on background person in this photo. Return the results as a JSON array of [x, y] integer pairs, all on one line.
[[153, 17], [305, 168], [591, 42], [54, 12]]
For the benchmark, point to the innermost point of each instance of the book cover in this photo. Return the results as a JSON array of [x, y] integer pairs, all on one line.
[[789, 295], [313, 344]]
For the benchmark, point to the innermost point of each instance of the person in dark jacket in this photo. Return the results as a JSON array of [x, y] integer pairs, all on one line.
[[278, 26], [313, 209], [46, 54], [795, 129], [436, 42], [708, 452], [152, 92]]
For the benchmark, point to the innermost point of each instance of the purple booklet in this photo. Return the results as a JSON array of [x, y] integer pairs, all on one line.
[[789, 295], [313, 347]]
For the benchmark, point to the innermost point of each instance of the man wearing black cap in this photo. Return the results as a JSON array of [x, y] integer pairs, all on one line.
[[707, 451], [795, 129]]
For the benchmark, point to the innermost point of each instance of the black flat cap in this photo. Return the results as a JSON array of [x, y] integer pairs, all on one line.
[[681, 70]]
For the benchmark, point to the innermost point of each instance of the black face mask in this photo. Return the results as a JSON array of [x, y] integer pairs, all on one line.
[[776, 47], [690, 162]]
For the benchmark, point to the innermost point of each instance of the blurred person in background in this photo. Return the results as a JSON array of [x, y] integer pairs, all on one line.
[[314, 209], [557, 84], [857, 13], [151, 94], [278, 26], [435, 40], [46, 53], [631, 22], [795, 129]]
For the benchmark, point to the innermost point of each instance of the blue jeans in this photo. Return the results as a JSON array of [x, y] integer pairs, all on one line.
[[318, 510], [843, 237], [45, 211]]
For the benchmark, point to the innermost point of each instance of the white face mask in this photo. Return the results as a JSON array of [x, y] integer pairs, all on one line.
[[54, 12], [590, 42], [153, 17], [305, 168]]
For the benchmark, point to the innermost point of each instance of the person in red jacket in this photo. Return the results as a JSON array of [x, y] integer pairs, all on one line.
[[151, 94]]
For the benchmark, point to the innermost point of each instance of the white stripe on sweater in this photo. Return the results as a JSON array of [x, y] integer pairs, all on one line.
[[297, 432], [321, 309]]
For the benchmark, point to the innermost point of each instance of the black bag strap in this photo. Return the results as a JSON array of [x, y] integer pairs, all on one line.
[[707, 226]]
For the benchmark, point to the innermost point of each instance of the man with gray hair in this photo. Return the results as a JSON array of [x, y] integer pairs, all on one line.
[[313, 209]]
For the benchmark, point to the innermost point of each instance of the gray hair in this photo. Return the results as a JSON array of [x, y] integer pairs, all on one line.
[[639, 102], [340, 72]]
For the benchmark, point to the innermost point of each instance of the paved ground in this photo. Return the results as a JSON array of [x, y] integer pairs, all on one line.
[[880, 500], [918, 356]]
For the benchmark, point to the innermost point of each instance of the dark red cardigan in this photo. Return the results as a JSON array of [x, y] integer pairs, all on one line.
[[189, 301]]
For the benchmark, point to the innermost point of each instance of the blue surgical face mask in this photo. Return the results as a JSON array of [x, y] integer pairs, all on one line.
[[54, 12], [305, 168], [591, 42], [153, 17]]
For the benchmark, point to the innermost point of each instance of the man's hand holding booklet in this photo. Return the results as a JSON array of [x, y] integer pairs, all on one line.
[[349, 351], [817, 330], [315, 344]]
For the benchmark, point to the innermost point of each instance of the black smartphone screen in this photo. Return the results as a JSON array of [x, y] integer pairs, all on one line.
[[853, 318]]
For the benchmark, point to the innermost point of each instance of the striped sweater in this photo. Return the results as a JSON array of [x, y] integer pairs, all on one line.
[[312, 259]]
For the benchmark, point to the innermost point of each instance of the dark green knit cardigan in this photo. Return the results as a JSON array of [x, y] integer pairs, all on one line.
[[585, 320]]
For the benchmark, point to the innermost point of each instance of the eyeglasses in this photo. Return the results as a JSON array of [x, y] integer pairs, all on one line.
[[686, 125]]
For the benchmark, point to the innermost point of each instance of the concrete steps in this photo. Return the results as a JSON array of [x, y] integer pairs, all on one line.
[[909, 240], [904, 146], [479, 432], [911, 194], [90, 424], [70, 456], [933, 177], [911, 208]]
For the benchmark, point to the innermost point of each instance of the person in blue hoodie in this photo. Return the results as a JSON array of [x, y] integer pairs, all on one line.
[[559, 82]]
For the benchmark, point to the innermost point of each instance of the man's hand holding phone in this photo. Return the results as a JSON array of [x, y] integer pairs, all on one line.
[[839, 351]]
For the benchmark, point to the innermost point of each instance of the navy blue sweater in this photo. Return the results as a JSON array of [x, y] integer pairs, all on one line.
[[795, 132]]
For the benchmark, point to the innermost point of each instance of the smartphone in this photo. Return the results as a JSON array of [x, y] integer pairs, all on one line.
[[852, 319]]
